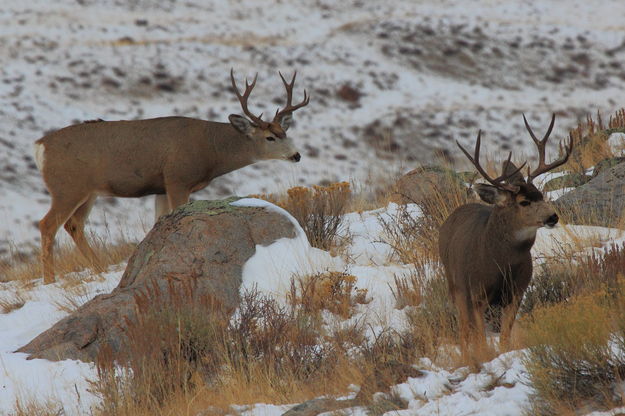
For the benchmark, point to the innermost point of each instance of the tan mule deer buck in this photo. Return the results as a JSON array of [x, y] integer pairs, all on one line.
[[485, 249], [168, 156]]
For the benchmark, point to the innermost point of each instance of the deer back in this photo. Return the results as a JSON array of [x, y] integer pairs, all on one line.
[[135, 158]]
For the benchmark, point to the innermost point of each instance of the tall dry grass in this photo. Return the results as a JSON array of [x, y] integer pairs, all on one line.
[[318, 210], [413, 234], [430, 314], [575, 334], [37, 407], [590, 140], [569, 274], [194, 352], [67, 260], [331, 291]]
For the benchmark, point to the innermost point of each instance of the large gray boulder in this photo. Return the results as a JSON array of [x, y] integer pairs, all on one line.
[[601, 201], [201, 248], [426, 182]]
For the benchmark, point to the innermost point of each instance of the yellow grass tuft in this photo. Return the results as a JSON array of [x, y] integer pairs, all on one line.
[[332, 291], [67, 260], [12, 301], [318, 210], [590, 141]]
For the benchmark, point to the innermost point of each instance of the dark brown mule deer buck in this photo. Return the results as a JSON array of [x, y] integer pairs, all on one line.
[[485, 250], [169, 156]]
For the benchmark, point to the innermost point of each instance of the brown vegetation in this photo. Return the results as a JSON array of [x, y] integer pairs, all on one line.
[[574, 330], [590, 140], [68, 260], [318, 210]]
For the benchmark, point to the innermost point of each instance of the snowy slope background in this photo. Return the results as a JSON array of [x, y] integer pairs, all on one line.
[[405, 76]]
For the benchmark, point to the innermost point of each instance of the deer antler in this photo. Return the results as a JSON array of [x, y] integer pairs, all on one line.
[[243, 100], [289, 108], [541, 144], [498, 182]]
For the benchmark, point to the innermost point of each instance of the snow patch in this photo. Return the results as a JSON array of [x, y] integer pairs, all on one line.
[[616, 141], [272, 267], [64, 383]]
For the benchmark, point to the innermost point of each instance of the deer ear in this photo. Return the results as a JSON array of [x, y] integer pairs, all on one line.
[[285, 121], [241, 124], [492, 195]]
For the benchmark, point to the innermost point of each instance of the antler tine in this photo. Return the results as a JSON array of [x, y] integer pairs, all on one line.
[[289, 108], [541, 145], [505, 176], [475, 160], [243, 99]]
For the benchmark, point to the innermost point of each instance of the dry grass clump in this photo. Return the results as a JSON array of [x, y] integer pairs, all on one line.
[[74, 296], [431, 316], [67, 260], [318, 210], [195, 352], [573, 325], [37, 407], [590, 141], [192, 356], [414, 238], [568, 275], [331, 291], [12, 301], [575, 355]]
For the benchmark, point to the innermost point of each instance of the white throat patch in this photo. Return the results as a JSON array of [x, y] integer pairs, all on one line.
[[526, 233]]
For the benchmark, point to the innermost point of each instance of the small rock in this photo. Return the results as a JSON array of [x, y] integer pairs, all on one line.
[[572, 180], [424, 181]]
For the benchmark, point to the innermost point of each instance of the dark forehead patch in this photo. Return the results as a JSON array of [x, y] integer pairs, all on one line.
[[277, 130], [531, 193]]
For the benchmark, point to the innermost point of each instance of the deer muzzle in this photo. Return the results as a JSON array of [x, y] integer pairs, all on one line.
[[296, 157], [551, 221]]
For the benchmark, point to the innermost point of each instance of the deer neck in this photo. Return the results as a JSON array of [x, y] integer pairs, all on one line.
[[232, 151], [503, 238]]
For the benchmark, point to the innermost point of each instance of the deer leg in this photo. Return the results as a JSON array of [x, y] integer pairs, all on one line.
[[59, 213], [507, 322], [161, 206], [479, 327], [464, 315], [176, 196], [75, 227]]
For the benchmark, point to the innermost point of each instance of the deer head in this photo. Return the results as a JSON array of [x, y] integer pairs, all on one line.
[[270, 137], [516, 196]]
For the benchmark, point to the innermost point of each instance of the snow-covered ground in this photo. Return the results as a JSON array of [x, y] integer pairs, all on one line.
[[442, 390], [406, 76]]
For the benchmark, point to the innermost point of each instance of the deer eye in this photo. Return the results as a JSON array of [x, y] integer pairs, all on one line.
[[271, 139], [524, 203]]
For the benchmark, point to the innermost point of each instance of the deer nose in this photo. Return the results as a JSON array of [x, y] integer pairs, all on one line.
[[296, 157], [552, 221]]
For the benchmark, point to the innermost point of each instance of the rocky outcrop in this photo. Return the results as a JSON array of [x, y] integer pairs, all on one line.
[[601, 201], [202, 245]]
